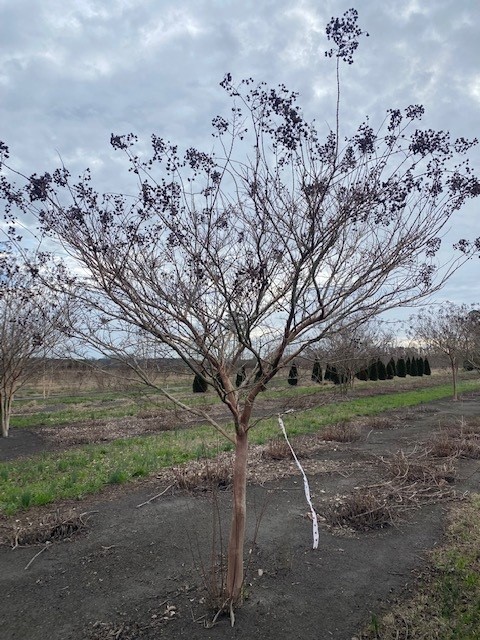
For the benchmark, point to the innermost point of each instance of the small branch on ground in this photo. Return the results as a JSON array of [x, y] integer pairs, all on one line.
[[37, 554], [142, 504]]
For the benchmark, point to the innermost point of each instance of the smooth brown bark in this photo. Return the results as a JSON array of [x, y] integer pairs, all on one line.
[[237, 531]]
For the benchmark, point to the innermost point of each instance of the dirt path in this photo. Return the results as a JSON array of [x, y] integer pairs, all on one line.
[[136, 573]]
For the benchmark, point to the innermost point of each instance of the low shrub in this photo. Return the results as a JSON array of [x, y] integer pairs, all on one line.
[[203, 476], [361, 510], [277, 449], [341, 432]]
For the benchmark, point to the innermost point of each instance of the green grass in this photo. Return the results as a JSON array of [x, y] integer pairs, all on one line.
[[446, 604], [456, 587], [46, 419], [84, 470], [40, 412], [86, 397], [90, 406], [86, 408], [29, 414], [310, 421]]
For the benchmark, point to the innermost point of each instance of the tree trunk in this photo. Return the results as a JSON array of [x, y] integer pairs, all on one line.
[[454, 378], [5, 409], [237, 531]]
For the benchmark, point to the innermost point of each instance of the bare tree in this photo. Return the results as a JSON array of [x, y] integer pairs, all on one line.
[[352, 349], [472, 357], [31, 319], [448, 331], [258, 251]]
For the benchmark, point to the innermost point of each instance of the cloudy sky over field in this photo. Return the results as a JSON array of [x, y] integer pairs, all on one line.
[[72, 73]]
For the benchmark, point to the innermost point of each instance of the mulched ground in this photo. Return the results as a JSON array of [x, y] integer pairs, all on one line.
[[138, 572]]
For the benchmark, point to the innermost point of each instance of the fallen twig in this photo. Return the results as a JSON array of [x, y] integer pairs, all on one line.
[[154, 497], [37, 554], [15, 543]]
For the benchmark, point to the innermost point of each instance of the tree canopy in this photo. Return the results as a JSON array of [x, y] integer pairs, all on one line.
[[259, 249]]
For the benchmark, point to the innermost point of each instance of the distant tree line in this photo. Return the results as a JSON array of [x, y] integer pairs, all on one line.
[[375, 370]]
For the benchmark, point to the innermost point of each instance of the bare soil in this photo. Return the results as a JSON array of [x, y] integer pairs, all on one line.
[[138, 572]]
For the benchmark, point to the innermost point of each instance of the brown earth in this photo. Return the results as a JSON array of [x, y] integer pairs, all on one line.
[[138, 572]]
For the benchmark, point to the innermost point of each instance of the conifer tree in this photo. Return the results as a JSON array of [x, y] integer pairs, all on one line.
[[426, 367], [293, 375], [393, 366], [200, 384], [420, 367], [401, 368], [382, 370], [373, 370], [241, 375], [328, 372], [413, 367], [390, 370], [408, 365]]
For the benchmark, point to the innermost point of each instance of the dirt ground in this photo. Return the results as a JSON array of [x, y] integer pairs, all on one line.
[[138, 572]]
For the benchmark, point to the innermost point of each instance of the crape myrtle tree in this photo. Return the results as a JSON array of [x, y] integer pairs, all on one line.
[[447, 331], [32, 322], [257, 250]]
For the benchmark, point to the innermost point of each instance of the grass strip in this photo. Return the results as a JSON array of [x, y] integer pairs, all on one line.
[[447, 603], [87, 469], [45, 412], [58, 410], [84, 470], [311, 421]]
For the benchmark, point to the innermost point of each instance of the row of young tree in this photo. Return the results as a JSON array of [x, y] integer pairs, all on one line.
[[376, 370], [257, 251]]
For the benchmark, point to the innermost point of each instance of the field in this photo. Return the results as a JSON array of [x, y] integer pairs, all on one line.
[[109, 496]]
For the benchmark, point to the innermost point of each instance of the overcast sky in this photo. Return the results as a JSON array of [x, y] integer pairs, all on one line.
[[71, 73]]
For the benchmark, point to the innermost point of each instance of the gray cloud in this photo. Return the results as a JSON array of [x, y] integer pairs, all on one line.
[[72, 73]]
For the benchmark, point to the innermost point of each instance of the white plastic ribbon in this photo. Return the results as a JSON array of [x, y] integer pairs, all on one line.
[[305, 486]]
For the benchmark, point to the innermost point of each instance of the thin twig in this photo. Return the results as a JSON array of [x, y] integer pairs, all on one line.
[[155, 497], [37, 554], [15, 544], [209, 625]]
